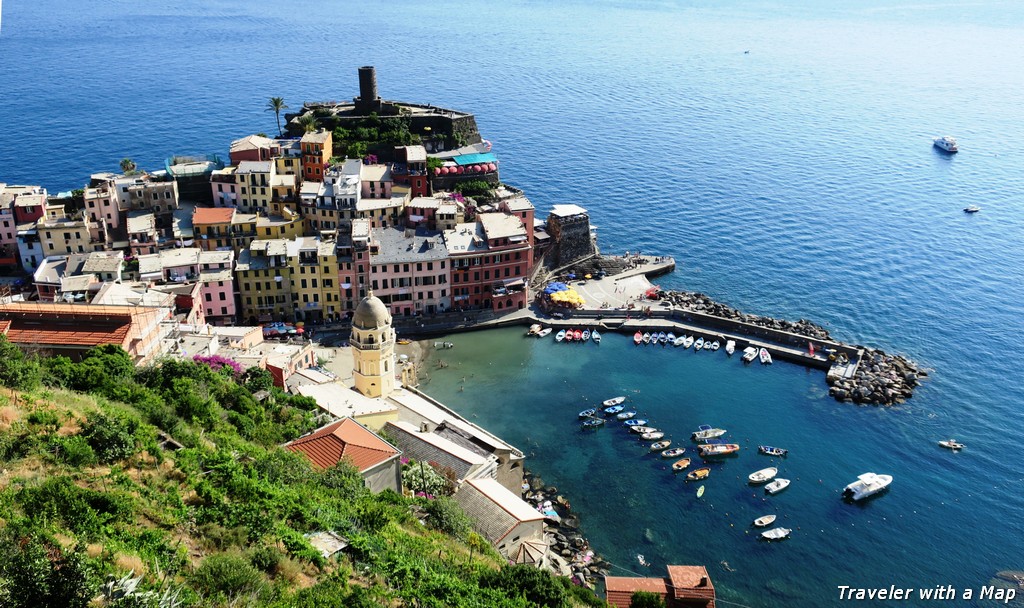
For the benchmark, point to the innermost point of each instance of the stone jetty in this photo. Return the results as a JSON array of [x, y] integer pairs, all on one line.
[[698, 302]]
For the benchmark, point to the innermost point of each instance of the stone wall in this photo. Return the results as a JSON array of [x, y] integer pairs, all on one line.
[[570, 238]]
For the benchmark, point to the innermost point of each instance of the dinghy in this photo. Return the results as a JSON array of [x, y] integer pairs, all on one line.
[[615, 409], [658, 446], [679, 341], [699, 344], [952, 444], [715, 345], [776, 533], [543, 332], [730, 347], [641, 429], [708, 433], [613, 401], [698, 474], [771, 450], [765, 520], [588, 413], [680, 465], [560, 335], [687, 342], [635, 422], [766, 357], [586, 335], [652, 436], [777, 486], [764, 475], [749, 354], [673, 452], [593, 423], [626, 415], [595, 336], [637, 338]]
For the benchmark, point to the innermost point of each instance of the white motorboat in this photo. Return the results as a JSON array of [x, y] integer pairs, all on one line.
[[613, 401], [947, 143], [699, 344], [763, 475], [715, 345], [777, 486], [776, 533], [595, 336], [765, 520], [641, 429], [766, 357], [972, 209], [534, 329], [867, 484], [708, 434], [560, 335], [688, 342], [670, 339], [749, 354], [543, 332], [730, 347], [952, 444]]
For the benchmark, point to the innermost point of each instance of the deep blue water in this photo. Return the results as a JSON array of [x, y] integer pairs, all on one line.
[[796, 181]]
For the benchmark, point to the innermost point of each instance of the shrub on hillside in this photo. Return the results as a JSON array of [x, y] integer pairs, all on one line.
[[37, 572], [74, 451], [447, 516], [112, 437], [227, 576]]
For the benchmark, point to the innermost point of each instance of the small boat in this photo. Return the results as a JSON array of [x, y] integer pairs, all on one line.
[[715, 345], [952, 444], [569, 334], [749, 354], [588, 413], [771, 450], [577, 335], [700, 491], [638, 338], [699, 344], [652, 436], [708, 433], [867, 484], [776, 533], [766, 357], [633, 422], [443, 345], [534, 329], [560, 335], [662, 337], [658, 446], [595, 336], [641, 429], [765, 520], [687, 342], [626, 415], [730, 347], [679, 341], [777, 486], [698, 474], [763, 475], [615, 409], [972, 209], [680, 465], [647, 338], [673, 452], [586, 335], [946, 143], [543, 332], [670, 338], [613, 401], [718, 449], [640, 558], [593, 423]]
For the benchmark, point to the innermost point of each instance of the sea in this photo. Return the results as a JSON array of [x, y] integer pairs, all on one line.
[[780, 151]]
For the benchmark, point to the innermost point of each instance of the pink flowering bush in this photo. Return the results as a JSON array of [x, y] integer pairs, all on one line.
[[217, 362]]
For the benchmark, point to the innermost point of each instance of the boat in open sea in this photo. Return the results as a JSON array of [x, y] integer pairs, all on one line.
[[765, 520], [867, 484], [776, 534], [777, 486], [952, 444], [764, 475], [769, 450], [947, 143], [972, 209]]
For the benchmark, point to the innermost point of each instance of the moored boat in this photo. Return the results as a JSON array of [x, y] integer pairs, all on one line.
[[593, 423], [730, 347], [698, 474], [560, 335], [641, 429], [687, 342], [699, 344], [673, 452], [658, 446], [946, 143], [715, 345], [595, 336], [587, 413], [708, 433], [680, 465], [577, 335], [952, 444], [652, 436], [766, 357], [633, 422], [749, 354], [662, 337], [647, 337], [765, 520], [586, 335], [679, 341], [638, 338], [769, 450], [777, 486], [670, 338], [534, 329], [615, 409], [764, 475], [543, 332], [569, 334], [613, 401], [626, 415], [776, 533], [718, 449], [867, 484]]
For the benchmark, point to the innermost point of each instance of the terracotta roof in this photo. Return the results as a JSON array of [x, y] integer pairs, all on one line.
[[682, 587], [346, 438], [212, 215], [635, 583], [686, 583], [66, 324]]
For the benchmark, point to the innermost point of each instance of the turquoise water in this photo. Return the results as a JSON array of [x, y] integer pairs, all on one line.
[[795, 181]]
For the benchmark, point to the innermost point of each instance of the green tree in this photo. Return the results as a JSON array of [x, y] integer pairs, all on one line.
[[447, 516], [275, 105], [646, 599], [307, 122], [111, 437], [36, 572], [128, 166], [538, 586], [227, 576], [16, 370]]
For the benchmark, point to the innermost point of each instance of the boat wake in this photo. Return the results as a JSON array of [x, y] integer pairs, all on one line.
[[725, 566]]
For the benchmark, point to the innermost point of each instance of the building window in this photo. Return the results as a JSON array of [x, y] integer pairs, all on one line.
[[209, 297], [222, 297]]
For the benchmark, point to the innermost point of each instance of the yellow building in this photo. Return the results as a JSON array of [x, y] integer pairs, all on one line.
[[288, 280], [287, 225], [314, 279], [373, 348]]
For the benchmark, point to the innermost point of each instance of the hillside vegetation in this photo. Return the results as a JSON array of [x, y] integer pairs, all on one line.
[[94, 511]]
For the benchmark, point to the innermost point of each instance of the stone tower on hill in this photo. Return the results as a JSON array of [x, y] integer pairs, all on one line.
[[373, 348]]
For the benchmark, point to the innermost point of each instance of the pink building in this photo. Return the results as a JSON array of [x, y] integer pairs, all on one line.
[[216, 273], [491, 261]]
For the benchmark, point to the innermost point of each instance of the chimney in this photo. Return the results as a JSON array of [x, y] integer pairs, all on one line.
[[703, 582], [423, 427]]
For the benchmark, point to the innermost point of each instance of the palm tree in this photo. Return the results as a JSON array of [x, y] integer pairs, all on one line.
[[127, 166], [275, 105], [308, 123]]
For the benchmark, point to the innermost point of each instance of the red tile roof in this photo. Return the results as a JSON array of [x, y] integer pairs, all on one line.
[[685, 586], [346, 438], [620, 589], [66, 325], [212, 215]]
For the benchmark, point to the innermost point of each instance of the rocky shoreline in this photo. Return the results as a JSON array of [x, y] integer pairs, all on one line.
[[880, 379], [581, 564]]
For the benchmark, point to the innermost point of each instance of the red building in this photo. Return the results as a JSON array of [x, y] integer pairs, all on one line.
[[684, 587], [253, 147], [410, 168], [491, 262], [316, 151]]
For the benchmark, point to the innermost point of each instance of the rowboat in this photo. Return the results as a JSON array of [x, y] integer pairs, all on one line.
[[595, 336], [763, 475], [653, 435], [673, 452], [613, 401], [641, 429], [700, 491], [699, 344], [680, 465], [633, 422], [586, 335], [578, 335], [569, 335], [765, 520], [662, 337], [626, 415], [679, 341], [708, 433], [534, 329], [730, 347], [593, 423], [615, 409], [637, 338], [715, 345], [698, 474], [718, 449], [766, 357], [670, 338], [647, 337], [777, 486], [543, 332], [560, 335], [776, 534], [687, 341], [771, 450], [658, 446], [588, 413]]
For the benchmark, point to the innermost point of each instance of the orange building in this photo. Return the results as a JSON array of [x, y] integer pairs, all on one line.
[[684, 587], [316, 151]]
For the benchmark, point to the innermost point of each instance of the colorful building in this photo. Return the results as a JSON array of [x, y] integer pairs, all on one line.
[[409, 270], [216, 273], [317, 149], [491, 261]]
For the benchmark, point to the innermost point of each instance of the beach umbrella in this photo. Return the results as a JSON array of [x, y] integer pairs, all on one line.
[[492, 167], [437, 170], [586, 276]]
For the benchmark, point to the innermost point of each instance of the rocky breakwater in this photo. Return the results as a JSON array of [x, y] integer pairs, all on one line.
[[568, 547], [880, 379]]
